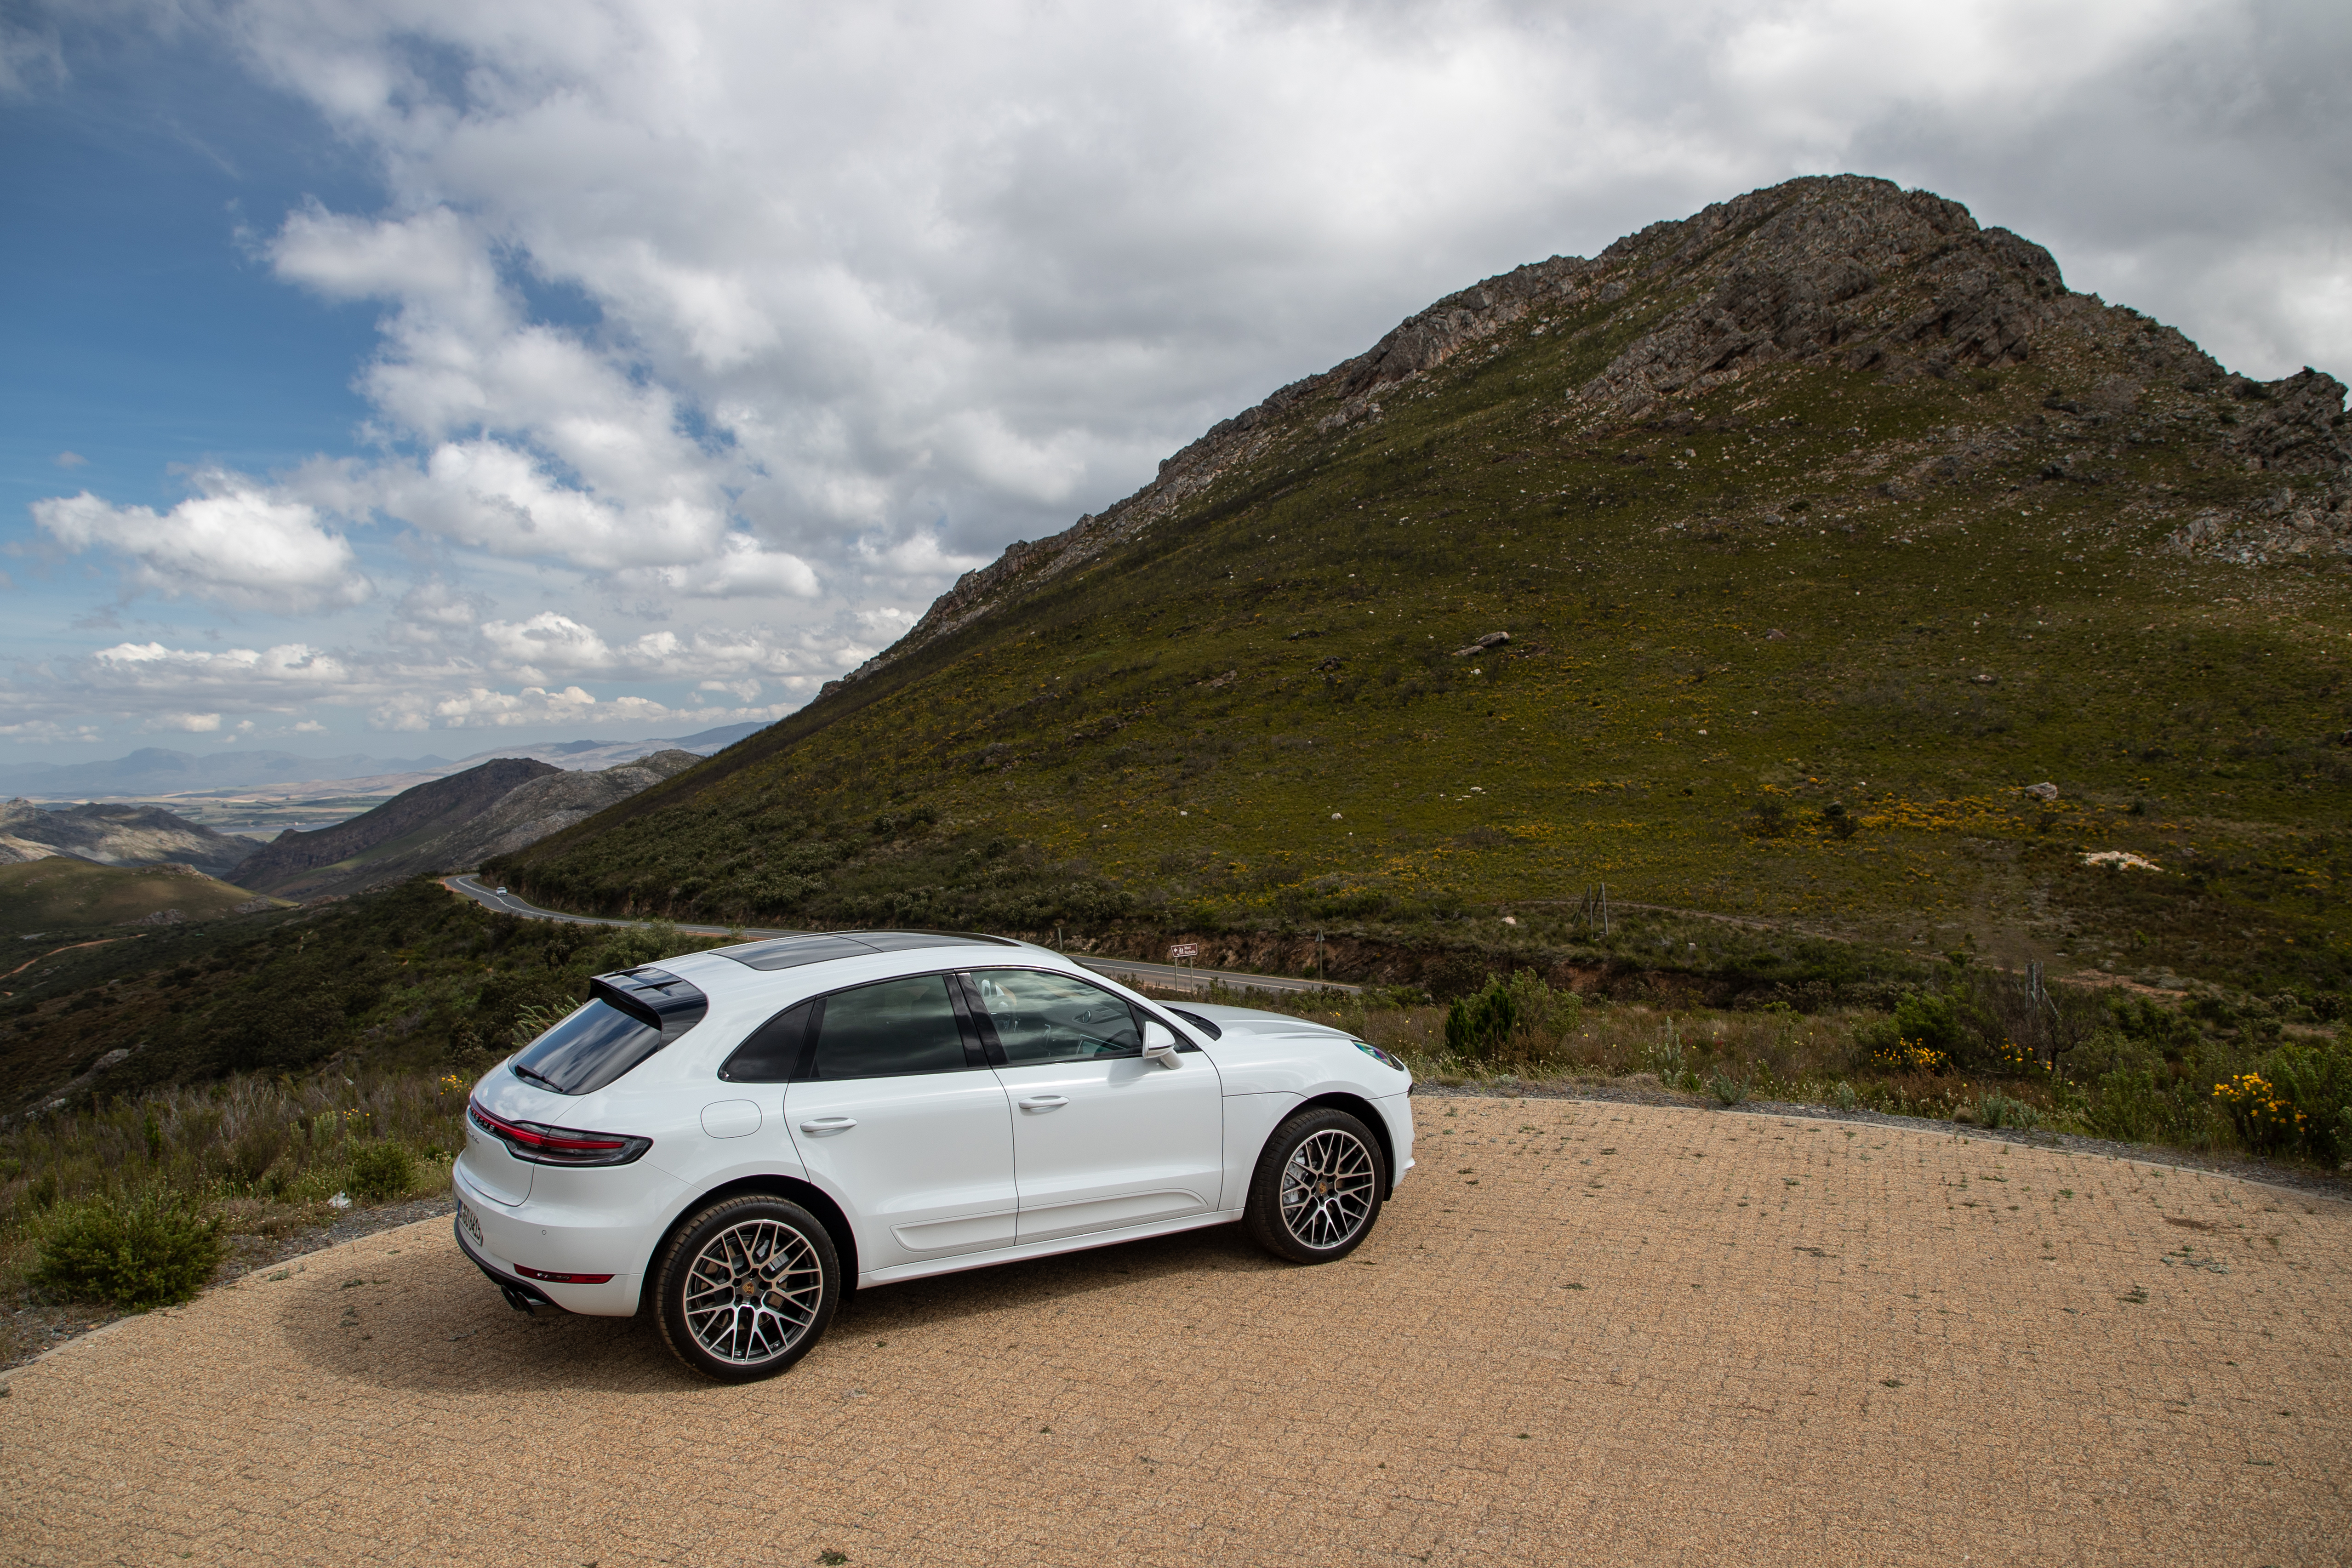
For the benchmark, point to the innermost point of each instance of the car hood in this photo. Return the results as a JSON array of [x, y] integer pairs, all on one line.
[[1259, 1052]]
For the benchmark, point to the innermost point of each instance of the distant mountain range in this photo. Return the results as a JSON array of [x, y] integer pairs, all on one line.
[[117, 835], [443, 824], [447, 824], [153, 771]]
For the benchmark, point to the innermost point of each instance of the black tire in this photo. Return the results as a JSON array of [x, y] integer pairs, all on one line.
[[747, 1287], [1326, 1205]]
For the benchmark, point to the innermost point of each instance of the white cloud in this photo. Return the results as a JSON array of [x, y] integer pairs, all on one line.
[[253, 678], [194, 723], [742, 567], [50, 732], [572, 708], [846, 298], [234, 542], [70, 460]]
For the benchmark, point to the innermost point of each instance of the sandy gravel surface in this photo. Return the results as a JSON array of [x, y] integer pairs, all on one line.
[[1584, 1334]]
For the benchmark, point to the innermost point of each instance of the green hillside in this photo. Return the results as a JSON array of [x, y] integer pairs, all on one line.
[[1823, 524], [63, 894]]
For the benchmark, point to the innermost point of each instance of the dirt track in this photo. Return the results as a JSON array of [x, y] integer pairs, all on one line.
[[1624, 1334]]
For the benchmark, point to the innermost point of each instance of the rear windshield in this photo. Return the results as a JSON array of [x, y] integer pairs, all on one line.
[[587, 1050]]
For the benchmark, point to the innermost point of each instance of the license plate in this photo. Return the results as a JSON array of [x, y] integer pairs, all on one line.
[[473, 1225]]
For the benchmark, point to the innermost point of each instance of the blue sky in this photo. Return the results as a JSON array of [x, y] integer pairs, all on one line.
[[436, 374]]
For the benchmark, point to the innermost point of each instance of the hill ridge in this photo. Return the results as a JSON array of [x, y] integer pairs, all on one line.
[[1999, 533], [1984, 315]]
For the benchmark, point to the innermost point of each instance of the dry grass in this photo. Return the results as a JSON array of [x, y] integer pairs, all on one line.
[[268, 1155]]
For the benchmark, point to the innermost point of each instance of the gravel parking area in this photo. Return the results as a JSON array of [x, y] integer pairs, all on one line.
[[1585, 1332]]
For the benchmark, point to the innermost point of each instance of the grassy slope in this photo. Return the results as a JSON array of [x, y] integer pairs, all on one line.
[[1248, 716], [62, 891]]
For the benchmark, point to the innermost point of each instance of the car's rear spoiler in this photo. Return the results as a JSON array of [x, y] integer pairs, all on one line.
[[654, 997]]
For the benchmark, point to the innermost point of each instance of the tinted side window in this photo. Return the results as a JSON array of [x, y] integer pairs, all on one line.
[[890, 1028], [772, 1052], [1042, 1017]]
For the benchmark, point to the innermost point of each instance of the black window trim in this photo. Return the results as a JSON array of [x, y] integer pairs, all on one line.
[[975, 1054], [1185, 1043], [981, 1048]]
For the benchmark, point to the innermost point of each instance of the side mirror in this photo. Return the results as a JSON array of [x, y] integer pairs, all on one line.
[[1159, 1044]]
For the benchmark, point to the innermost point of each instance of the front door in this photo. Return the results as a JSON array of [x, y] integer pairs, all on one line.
[[1101, 1137], [906, 1127]]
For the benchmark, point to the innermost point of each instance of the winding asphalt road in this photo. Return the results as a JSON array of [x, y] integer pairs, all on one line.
[[1130, 971]]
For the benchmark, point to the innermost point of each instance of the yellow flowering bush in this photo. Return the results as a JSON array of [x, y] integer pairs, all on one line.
[[2265, 1118], [1912, 1056]]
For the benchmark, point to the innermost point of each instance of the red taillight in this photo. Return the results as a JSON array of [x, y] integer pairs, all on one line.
[[546, 1145], [553, 1278]]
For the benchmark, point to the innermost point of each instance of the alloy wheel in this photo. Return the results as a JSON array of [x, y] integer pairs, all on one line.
[[752, 1291], [1328, 1189]]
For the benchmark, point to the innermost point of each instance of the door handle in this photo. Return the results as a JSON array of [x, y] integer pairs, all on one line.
[[1045, 1103], [818, 1126]]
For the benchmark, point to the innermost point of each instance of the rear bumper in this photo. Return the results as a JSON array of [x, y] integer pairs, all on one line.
[[520, 1294], [512, 1241]]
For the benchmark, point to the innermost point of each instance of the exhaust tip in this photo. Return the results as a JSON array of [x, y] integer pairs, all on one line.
[[518, 1299]]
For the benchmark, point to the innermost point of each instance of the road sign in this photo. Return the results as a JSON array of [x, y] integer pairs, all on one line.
[[1185, 950]]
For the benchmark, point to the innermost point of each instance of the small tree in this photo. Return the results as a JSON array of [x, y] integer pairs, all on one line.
[[1478, 1024]]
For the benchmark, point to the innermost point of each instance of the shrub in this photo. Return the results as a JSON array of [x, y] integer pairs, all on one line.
[[1931, 1019], [150, 1251], [254, 1151], [2001, 1111], [2150, 1105], [1478, 1024], [1540, 1008], [1727, 1091], [2316, 1086], [381, 1171]]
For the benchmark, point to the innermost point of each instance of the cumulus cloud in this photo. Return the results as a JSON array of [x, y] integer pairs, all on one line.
[[853, 296], [537, 707], [742, 567], [232, 542], [255, 677]]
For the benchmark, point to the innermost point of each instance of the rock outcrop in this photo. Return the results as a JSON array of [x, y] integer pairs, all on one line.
[[552, 802]]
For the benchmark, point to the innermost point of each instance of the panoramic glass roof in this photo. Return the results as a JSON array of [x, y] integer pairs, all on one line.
[[815, 948]]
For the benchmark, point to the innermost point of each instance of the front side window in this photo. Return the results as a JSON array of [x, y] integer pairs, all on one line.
[[1043, 1017], [889, 1028]]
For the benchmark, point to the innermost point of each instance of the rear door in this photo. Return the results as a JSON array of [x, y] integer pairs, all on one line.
[[1101, 1137], [896, 1113]]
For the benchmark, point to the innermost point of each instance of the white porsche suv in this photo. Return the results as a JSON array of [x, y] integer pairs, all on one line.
[[745, 1134]]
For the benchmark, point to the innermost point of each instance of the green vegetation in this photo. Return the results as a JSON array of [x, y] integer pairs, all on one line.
[[2211, 1076], [154, 1250], [412, 980], [1783, 651], [61, 892]]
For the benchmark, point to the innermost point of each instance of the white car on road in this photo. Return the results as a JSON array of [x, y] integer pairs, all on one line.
[[737, 1138]]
